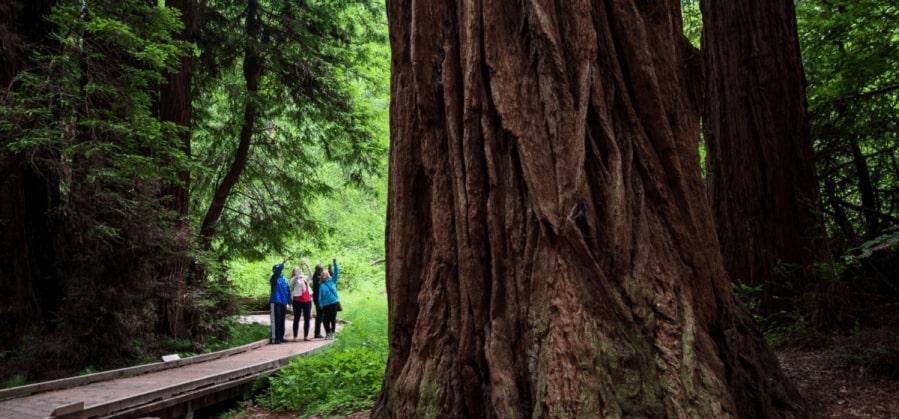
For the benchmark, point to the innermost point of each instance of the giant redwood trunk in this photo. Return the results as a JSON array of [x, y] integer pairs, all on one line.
[[550, 250], [761, 171]]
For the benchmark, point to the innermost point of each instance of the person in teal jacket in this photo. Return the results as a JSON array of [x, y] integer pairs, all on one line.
[[329, 300], [278, 301]]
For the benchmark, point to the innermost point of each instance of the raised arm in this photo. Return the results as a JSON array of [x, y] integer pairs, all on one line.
[[304, 267], [336, 270]]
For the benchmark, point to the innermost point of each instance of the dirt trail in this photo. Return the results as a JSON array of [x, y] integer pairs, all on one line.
[[835, 391]]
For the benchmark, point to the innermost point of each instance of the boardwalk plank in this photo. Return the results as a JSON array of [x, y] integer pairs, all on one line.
[[140, 388]]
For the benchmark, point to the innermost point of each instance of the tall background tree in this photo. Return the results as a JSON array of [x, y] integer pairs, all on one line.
[[761, 171], [29, 275], [550, 250], [176, 106]]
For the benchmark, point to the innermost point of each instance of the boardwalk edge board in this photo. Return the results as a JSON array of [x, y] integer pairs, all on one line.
[[182, 391], [64, 383]]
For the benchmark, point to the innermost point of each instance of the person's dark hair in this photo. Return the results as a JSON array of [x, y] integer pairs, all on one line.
[[317, 275], [273, 280]]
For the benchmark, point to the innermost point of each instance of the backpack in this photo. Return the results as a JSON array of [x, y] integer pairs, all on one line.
[[305, 297]]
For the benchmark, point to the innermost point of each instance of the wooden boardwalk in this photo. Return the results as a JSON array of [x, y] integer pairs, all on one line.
[[170, 391]]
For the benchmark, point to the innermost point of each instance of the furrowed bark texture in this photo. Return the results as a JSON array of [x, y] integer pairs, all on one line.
[[550, 250], [761, 170]]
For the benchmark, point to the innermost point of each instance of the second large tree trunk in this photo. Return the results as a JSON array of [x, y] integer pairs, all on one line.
[[550, 251], [761, 170]]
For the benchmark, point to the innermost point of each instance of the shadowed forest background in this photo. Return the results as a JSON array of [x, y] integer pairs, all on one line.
[[159, 157]]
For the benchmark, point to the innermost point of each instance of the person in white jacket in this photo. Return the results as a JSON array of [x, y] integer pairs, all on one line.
[[301, 299]]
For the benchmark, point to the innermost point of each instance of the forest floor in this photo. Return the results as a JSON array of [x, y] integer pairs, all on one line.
[[835, 390], [256, 412]]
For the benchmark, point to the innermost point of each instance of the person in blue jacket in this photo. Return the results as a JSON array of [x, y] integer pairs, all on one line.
[[278, 301], [319, 314], [328, 299]]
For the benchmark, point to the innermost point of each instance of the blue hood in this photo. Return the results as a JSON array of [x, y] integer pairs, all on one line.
[[280, 291], [276, 273]]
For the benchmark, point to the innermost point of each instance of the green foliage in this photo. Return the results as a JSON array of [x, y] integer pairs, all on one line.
[[320, 108], [346, 376], [851, 55], [236, 334], [886, 242], [352, 231], [692, 21], [228, 334], [749, 295], [14, 381], [89, 97], [82, 113]]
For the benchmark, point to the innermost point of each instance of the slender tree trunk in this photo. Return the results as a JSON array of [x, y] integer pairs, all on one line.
[[175, 105], [176, 99], [865, 189], [550, 250], [839, 214], [761, 170], [252, 72]]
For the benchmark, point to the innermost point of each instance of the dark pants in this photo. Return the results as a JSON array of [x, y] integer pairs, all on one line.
[[301, 310], [318, 320], [330, 318], [279, 313]]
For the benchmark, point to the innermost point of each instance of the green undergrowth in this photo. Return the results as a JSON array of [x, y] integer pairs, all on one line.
[[240, 334], [14, 381], [344, 377], [236, 335]]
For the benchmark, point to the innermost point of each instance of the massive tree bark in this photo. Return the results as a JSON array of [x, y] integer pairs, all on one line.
[[550, 249], [761, 171], [252, 72]]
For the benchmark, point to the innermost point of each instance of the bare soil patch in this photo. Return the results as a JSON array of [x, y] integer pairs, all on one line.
[[833, 389]]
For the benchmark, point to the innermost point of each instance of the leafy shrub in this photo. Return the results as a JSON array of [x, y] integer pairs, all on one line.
[[14, 381]]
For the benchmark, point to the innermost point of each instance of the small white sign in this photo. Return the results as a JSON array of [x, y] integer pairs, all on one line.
[[170, 358]]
